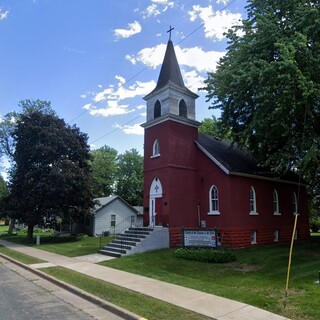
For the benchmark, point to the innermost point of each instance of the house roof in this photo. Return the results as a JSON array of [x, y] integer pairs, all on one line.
[[235, 160], [104, 201]]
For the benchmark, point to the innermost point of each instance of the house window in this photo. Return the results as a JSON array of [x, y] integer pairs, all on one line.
[[113, 220], [276, 235], [133, 220], [183, 111], [295, 203], [213, 200], [157, 110], [253, 203], [156, 148], [253, 237], [276, 210]]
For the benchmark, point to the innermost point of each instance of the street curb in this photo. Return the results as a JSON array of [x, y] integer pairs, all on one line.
[[83, 294]]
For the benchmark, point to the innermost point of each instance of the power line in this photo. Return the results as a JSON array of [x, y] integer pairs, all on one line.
[[108, 133], [138, 73]]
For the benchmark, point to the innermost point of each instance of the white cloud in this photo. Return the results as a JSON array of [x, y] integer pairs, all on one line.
[[193, 80], [112, 98], [3, 15], [112, 109], [222, 1], [157, 7], [135, 129], [195, 57], [133, 28], [151, 57], [151, 11], [215, 22]]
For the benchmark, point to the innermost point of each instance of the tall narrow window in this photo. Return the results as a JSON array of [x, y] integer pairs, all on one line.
[[276, 235], [253, 237], [156, 148], [183, 111], [276, 209], [113, 220], [295, 203], [253, 203], [157, 109], [214, 200]]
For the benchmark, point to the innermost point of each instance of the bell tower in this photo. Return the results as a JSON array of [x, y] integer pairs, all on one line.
[[170, 163]]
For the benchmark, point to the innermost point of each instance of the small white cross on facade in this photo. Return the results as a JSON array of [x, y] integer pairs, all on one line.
[[156, 188]]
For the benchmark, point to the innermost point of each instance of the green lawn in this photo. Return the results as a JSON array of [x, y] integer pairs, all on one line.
[[138, 303], [19, 256], [257, 278], [68, 246]]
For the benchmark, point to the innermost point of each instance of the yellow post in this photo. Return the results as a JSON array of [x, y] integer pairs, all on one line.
[[290, 254]]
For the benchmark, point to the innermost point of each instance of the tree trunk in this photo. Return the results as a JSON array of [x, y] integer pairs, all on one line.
[[30, 233], [11, 226]]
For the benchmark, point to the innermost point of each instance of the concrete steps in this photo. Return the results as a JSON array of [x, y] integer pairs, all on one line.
[[126, 241]]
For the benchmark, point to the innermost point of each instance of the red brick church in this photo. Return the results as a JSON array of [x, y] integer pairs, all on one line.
[[194, 180]]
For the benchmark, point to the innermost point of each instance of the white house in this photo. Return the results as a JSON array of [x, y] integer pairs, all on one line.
[[113, 215]]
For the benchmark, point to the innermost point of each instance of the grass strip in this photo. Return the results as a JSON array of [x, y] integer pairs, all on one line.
[[67, 246], [256, 278], [24, 258], [138, 303]]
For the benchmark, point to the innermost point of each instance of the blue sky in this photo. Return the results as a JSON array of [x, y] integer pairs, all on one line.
[[95, 60]]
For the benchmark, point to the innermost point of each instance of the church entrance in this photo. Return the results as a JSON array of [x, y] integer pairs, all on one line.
[[155, 205]]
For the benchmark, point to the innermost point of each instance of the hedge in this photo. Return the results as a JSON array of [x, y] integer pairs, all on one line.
[[206, 255]]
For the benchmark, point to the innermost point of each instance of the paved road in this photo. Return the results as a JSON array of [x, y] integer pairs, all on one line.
[[22, 298]]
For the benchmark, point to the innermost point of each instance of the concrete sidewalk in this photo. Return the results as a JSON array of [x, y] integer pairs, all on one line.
[[197, 301]]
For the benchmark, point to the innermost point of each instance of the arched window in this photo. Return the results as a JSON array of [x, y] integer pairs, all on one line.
[[253, 202], [295, 203], [157, 110], [156, 148], [213, 200], [276, 209], [183, 112]]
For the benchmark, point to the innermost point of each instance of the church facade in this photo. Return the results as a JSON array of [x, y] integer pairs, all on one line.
[[192, 180]]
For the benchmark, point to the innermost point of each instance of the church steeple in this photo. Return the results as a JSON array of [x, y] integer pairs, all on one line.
[[170, 70], [170, 96]]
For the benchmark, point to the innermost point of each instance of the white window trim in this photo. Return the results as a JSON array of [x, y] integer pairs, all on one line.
[[254, 212], [295, 203], [213, 212], [154, 154], [254, 234], [276, 213]]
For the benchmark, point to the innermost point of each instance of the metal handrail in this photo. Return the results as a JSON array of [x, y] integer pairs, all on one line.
[[121, 226]]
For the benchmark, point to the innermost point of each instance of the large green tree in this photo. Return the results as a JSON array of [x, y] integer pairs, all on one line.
[[104, 170], [268, 85], [129, 183], [213, 127], [51, 170]]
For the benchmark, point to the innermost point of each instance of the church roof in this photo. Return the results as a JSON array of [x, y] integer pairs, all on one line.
[[234, 160], [170, 71]]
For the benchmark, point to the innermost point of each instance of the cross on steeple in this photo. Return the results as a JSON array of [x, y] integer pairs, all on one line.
[[169, 31]]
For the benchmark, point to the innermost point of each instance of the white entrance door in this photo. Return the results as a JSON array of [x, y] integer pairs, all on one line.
[[152, 212], [155, 192]]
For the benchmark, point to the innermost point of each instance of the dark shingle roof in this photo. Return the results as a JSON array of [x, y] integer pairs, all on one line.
[[233, 159], [170, 70]]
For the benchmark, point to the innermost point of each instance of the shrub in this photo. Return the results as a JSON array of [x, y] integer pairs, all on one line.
[[315, 224], [206, 255]]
